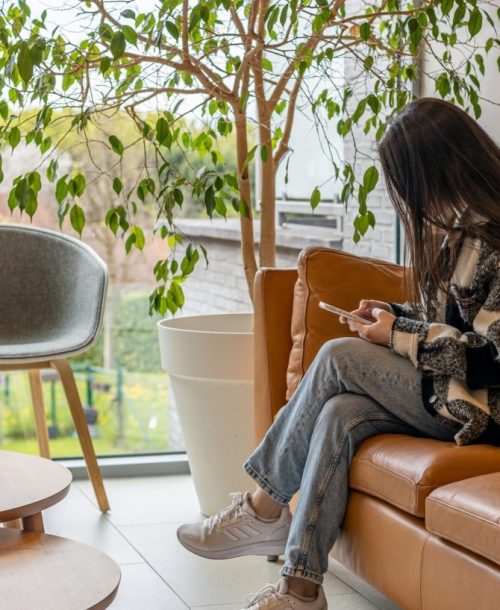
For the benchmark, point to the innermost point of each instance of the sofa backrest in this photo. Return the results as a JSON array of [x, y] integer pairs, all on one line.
[[339, 278], [289, 325]]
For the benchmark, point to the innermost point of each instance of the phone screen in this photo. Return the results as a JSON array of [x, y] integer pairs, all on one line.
[[343, 312]]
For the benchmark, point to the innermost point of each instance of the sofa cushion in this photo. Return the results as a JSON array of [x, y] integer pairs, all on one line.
[[468, 514], [403, 470], [339, 278]]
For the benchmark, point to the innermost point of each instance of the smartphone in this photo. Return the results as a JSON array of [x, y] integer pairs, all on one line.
[[342, 312]]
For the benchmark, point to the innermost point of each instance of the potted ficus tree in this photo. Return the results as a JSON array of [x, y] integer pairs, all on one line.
[[188, 75]]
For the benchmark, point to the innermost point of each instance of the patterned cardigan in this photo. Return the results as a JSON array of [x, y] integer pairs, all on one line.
[[458, 352]]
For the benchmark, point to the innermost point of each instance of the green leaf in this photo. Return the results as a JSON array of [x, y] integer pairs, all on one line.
[[130, 242], [459, 14], [365, 31], [111, 221], [30, 205], [315, 198], [25, 63], [128, 14], [189, 261], [36, 53], [14, 137], [61, 189], [475, 21], [210, 201], [446, 6], [480, 62], [267, 65], [139, 237], [370, 178], [13, 203], [4, 110], [163, 134], [22, 192], [172, 29], [34, 182], [76, 185], [250, 156], [116, 145], [105, 64], [118, 44], [220, 207], [362, 223], [263, 153], [77, 218], [358, 113], [1, 170], [129, 34], [178, 197], [117, 185], [177, 294], [443, 85], [62, 212]]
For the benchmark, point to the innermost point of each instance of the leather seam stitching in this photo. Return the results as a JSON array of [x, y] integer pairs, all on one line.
[[397, 474], [462, 511], [464, 545], [454, 539], [420, 601], [403, 507]]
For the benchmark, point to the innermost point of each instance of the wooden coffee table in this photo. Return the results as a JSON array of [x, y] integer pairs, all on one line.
[[45, 572], [28, 485]]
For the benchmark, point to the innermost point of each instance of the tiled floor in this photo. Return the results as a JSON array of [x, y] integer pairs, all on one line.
[[157, 573]]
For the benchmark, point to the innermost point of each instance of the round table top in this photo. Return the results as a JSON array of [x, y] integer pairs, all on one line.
[[40, 571], [29, 484]]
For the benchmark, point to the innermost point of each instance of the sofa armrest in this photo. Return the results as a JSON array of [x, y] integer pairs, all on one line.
[[273, 302]]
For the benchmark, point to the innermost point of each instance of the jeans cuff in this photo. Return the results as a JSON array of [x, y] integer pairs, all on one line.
[[264, 484], [301, 573]]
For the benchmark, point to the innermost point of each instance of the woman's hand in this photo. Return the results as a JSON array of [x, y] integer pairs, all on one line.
[[381, 318]]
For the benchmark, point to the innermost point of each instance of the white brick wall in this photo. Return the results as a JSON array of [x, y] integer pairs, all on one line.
[[221, 287]]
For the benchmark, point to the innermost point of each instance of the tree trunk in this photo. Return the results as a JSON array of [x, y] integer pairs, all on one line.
[[267, 246], [246, 220]]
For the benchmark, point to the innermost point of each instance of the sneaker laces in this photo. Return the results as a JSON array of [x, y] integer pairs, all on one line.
[[268, 592], [230, 512]]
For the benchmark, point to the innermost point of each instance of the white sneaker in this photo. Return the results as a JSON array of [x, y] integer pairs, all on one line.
[[235, 531], [277, 597]]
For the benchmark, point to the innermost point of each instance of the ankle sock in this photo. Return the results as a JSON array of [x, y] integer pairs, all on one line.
[[260, 517]]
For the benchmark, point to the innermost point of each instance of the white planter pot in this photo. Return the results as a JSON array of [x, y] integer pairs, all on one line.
[[209, 359]]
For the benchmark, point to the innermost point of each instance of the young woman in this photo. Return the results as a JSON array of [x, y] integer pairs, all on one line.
[[440, 351]]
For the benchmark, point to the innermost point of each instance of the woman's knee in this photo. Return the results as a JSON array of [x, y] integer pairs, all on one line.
[[342, 350], [344, 409]]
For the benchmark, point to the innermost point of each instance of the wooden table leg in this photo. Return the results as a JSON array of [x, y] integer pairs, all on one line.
[[33, 523]]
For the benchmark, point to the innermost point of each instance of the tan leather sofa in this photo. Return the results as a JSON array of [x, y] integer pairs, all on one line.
[[423, 519]]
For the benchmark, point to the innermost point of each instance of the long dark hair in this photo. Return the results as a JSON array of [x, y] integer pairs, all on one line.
[[442, 173]]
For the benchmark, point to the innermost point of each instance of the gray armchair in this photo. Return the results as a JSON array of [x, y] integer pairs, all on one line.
[[52, 295]]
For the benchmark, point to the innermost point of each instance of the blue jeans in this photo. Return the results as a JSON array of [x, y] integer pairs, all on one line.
[[352, 390]]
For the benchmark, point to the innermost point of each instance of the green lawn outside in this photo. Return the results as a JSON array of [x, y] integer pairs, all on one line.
[[142, 427]]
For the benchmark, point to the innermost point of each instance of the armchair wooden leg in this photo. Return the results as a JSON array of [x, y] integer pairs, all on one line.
[[39, 409], [16, 524], [75, 405], [33, 523]]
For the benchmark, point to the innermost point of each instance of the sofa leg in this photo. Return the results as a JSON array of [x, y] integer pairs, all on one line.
[[272, 557]]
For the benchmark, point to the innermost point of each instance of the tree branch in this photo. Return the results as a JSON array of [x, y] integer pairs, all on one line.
[[310, 45]]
